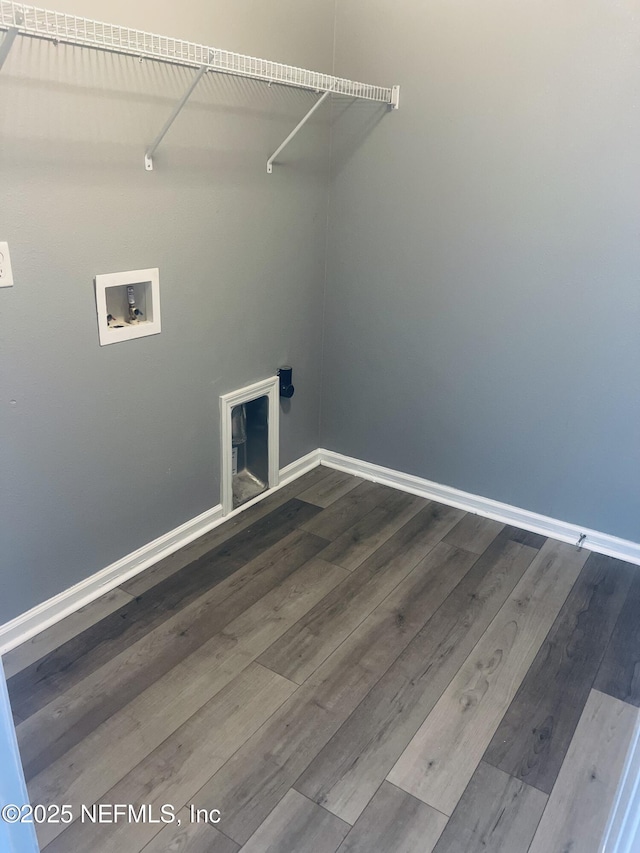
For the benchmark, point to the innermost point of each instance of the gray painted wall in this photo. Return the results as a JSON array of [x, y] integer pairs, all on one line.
[[104, 449], [482, 268], [483, 294]]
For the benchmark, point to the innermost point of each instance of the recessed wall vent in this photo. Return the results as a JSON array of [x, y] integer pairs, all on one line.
[[250, 442]]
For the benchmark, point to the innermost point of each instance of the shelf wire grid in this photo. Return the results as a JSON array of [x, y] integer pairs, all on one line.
[[70, 29]]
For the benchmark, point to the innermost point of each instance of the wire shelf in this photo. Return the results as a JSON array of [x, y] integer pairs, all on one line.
[[70, 29]]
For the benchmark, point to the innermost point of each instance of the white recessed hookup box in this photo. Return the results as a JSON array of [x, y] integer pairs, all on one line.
[[128, 305], [6, 275]]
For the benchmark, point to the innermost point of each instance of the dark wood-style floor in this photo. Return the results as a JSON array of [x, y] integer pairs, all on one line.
[[341, 667]]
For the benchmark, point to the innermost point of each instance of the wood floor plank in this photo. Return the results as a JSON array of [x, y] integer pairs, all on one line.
[[496, 813], [203, 544], [297, 824], [473, 533], [308, 643], [51, 638], [430, 639], [533, 737], [395, 821], [254, 780], [619, 673], [343, 513], [189, 837], [347, 772], [94, 765], [180, 765], [43, 681], [579, 806], [361, 540], [440, 760], [333, 486], [525, 537], [57, 727]]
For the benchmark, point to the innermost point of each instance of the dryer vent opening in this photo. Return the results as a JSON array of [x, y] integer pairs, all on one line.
[[250, 449], [250, 442]]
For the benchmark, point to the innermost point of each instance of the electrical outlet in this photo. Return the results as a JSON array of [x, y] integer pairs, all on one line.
[[6, 275]]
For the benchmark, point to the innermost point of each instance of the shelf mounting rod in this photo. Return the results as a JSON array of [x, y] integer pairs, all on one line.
[[7, 43], [295, 130], [148, 157]]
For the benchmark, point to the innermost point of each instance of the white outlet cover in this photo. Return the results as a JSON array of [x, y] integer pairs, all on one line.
[[6, 274]]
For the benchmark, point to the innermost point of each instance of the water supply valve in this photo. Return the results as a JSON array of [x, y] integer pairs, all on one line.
[[135, 314]]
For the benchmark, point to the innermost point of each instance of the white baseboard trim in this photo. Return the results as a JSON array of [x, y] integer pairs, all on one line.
[[296, 469], [602, 543], [44, 615]]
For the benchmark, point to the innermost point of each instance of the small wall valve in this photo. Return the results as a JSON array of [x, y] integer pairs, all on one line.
[[285, 374], [134, 312]]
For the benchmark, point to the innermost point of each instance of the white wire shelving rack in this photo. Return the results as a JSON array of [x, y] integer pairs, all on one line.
[[58, 27]]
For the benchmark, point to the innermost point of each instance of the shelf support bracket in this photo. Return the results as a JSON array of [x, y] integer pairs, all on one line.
[[7, 43], [148, 157], [295, 130]]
